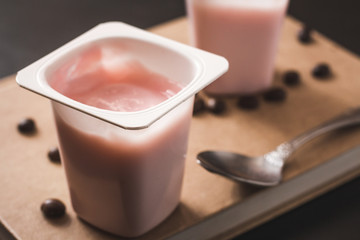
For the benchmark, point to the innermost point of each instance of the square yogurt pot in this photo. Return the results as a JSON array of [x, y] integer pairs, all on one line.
[[124, 169], [192, 68]]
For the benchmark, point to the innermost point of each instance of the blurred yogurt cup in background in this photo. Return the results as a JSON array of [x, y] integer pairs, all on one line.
[[122, 100], [246, 33]]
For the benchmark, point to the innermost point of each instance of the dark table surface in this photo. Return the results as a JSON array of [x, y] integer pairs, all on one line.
[[31, 29]]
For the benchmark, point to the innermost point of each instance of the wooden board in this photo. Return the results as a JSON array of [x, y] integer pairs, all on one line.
[[27, 177]]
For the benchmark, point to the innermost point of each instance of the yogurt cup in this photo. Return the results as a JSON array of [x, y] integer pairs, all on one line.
[[124, 169], [246, 32]]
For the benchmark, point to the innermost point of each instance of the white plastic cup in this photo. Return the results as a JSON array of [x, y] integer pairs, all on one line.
[[246, 33], [123, 181], [125, 169]]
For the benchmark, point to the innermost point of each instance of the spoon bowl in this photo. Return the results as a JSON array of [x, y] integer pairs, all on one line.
[[240, 167]]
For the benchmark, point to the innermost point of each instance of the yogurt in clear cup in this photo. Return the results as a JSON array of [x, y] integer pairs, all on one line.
[[246, 32], [122, 101]]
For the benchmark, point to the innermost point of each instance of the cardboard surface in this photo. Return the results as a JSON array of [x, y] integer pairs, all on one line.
[[27, 177]]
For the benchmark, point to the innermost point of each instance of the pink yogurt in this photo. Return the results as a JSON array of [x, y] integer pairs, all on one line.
[[122, 181], [118, 84], [246, 33], [122, 99]]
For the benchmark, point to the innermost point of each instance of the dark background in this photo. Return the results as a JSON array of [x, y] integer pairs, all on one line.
[[31, 29]]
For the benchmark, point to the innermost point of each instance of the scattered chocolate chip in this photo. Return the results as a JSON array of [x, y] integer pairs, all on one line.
[[53, 208], [199, 106], [26, 126], [304, 35], [321, 71], [216, 106], [275, 94], [291, 78], [54, 155], [248, 102]]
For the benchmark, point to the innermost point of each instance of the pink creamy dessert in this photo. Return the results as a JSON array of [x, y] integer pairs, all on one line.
[[110, 79], [122, 99], [122, 181], [246, 33]]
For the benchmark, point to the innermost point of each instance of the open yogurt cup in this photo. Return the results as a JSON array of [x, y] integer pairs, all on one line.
[[189, 66], [123, 156]]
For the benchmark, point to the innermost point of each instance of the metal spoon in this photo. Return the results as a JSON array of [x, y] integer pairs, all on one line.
[[266, 170]]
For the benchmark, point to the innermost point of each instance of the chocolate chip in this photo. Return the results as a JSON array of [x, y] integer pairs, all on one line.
[[275, 94], [26, 126], [321, 71], [54, 155], [199, 106], [248, 102], [304, 35], [216, 106], [53, 208], [291, 78]]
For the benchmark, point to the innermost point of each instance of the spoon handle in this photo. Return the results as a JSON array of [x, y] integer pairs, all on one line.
[[349, 118]]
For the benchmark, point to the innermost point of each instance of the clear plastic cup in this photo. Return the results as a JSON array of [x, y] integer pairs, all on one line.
[[246, 33], [124, 169]]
